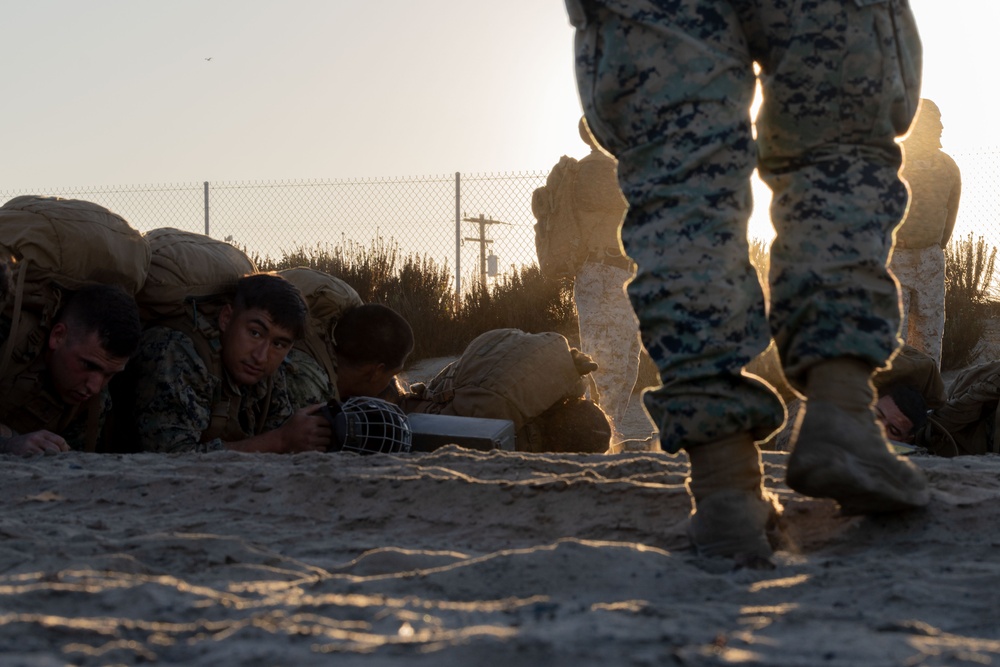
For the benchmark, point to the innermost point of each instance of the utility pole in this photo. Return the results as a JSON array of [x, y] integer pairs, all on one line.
[[482, 221]]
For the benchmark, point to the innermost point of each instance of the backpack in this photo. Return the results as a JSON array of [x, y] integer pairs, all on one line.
[[508, 374], [968, 421], [327, 297], [57, 246], [559, 242], [189, 273]]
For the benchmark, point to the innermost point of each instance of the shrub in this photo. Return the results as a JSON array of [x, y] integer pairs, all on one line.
[[969, 267], [422, 291]]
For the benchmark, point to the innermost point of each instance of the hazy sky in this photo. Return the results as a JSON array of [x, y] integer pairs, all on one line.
[[117, 92]]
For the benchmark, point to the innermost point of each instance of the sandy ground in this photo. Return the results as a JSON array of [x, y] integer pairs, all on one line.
[[457, 557]]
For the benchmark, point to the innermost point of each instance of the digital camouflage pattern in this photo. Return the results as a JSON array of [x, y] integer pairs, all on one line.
[[609, 330], [609, 333], [666, 86], [935, 183], [176, 394], [307, 381], [921, 281]]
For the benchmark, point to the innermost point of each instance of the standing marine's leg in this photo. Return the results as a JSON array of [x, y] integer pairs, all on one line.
[[840, 82], [921, 275], [668, 92], [927, 300], [608, 334]]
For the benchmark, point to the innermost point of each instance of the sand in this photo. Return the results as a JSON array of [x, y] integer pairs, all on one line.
[[464, 558]]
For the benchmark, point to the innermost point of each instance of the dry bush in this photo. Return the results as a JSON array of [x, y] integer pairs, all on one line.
[[422, 291], [969, 267]]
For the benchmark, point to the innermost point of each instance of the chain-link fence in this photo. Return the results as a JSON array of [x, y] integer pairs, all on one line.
[[979, 209], [477, 225]]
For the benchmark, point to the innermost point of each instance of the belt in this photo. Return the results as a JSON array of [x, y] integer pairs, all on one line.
[[619, 261]]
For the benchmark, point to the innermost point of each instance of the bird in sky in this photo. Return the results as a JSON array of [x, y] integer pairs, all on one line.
[[207, 58]]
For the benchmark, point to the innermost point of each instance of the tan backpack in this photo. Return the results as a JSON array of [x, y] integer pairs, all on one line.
[[57, 246], [560, 243], [508, 374], [328, 298], [188, 272]]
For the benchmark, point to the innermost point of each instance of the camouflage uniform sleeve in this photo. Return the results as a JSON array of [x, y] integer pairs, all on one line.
[[306, 381], [173, 394], [281, 406]]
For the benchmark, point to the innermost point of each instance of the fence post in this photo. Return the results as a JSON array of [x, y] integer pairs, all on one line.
[[206, 208], [458, 240]]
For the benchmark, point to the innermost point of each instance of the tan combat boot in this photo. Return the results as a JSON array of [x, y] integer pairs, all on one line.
[[732, 515], [840, 451]]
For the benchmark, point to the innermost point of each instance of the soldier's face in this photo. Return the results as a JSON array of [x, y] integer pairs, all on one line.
[[253, 345], [79, 366], [897, 425]]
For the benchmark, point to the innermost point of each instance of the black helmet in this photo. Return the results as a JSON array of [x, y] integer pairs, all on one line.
[[367, 425]]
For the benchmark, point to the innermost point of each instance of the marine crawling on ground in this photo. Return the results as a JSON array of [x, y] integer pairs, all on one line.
[[237, 399]]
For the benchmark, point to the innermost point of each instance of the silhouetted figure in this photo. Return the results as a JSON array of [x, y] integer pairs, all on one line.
[[918, 256], [588, 199]]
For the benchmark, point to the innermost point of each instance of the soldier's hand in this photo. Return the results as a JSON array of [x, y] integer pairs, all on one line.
[[307, 430], [37, 442]]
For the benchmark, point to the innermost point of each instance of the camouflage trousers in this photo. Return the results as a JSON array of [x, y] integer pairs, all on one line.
[[666, 87], [921, 285], [609, 332]]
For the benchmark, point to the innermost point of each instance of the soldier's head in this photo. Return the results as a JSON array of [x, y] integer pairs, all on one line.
[[91, 339], [925, 132], [266, 317], [572, 425], [902, 411], [372, 343]]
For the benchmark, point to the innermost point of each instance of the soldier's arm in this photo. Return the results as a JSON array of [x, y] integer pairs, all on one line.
[[305, 431], [173, 394], [289, 427], [30, 444]]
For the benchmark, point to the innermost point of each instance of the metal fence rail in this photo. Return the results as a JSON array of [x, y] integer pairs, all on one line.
[[478, 225]]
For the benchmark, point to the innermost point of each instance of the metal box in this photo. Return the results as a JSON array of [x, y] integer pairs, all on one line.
[[431, 431]]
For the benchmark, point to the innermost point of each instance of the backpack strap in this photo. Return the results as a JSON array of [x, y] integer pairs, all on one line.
[[225, 413], [205, 337], [8, 347], [934, 437]]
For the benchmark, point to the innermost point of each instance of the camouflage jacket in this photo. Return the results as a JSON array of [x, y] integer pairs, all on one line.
[[177, 396], [307, 382]]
